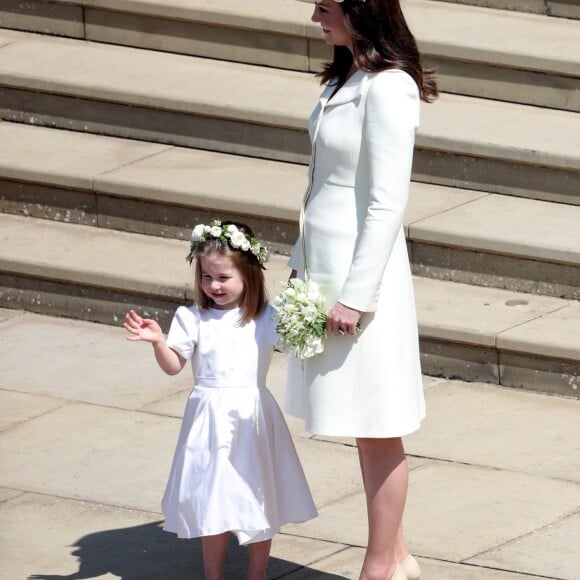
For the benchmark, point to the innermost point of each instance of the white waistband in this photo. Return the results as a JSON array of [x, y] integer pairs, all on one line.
[[228, 383]]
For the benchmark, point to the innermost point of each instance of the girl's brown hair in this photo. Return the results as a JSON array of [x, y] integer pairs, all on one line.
[[254, 298], [381, 40]]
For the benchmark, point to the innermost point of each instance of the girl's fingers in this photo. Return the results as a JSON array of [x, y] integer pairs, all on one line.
[[129, 328]]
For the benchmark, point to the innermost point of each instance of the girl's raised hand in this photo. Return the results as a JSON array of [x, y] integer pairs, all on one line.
[[142, 328]]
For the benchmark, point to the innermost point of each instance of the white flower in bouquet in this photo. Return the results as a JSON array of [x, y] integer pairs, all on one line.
[[301, 318]]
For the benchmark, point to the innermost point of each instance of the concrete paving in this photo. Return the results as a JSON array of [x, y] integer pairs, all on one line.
[[87, 429]]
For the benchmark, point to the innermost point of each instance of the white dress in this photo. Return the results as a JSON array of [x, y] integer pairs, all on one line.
[[235, 467], [353, 244]]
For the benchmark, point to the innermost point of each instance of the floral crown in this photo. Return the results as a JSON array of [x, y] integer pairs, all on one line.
[[228, 235]]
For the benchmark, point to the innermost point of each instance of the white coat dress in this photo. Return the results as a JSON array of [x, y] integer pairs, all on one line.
[[353, 245]]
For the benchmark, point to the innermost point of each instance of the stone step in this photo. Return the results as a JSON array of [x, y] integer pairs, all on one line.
[[467, 332], [561, 8], [496, 54], [453, 234], [247, 110]]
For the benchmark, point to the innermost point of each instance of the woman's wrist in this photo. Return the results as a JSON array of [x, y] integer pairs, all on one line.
[[350, 308]]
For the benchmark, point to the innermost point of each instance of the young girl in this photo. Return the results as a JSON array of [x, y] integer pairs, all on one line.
[[235, 468]]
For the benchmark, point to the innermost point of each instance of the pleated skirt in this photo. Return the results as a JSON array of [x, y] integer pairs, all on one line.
[[235, 468]]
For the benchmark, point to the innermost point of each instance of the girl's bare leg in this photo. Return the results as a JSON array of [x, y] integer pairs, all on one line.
[[258, 565], [385, 480], [214, 555]]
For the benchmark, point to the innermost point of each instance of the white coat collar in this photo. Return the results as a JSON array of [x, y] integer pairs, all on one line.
[[354, 88]]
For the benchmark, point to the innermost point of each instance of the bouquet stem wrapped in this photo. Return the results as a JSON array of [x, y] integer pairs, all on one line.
[[301, 318]]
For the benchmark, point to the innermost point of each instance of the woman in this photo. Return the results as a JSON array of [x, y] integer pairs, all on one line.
[[366, 384]]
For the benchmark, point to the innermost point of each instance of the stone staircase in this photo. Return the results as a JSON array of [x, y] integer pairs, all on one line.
[[127, 122]]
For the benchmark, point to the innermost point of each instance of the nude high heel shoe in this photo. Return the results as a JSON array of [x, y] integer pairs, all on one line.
[[410, 567], [399, 574]]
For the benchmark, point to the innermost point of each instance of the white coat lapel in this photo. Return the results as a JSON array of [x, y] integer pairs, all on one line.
[[354, 88]]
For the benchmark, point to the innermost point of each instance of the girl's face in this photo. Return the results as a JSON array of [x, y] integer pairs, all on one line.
[[333, 23], [221, 281]]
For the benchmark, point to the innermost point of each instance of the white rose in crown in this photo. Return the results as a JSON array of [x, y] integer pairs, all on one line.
[[237, 239], [197, 233], [245, 245], [215, 231]]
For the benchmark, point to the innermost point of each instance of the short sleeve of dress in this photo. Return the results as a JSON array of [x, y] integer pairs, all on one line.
[[184, 331]]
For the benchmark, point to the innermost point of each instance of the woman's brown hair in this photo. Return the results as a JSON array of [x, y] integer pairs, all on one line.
[[381, 40], [254, 298]]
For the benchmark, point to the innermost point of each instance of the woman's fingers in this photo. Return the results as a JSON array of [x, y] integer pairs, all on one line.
[[342, 320]]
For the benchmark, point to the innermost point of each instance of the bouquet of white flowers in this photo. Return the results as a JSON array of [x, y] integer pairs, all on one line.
[[301, 317]]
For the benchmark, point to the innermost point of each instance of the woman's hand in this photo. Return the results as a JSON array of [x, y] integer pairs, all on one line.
[[142, 328], [342, 320]]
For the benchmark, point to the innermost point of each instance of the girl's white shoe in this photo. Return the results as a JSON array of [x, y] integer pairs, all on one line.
[[399, 574], [410, 567]]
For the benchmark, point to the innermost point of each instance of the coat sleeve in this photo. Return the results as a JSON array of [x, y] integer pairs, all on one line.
[[391, 117]]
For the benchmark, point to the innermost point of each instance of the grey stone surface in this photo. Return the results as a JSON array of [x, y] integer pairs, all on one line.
[[99, 366], [66, 159], [201, 179], [108, 542], [473, 311], [547, 541], [195, 38], [92, 453], [564, 8], [6, 314], [43, 17], [469, 509], [426, 200], [8, 494], [534, 6], [562, 324], [496, 37], [488, 269], [486, 128], [444, 358], [177, 85], [491, 480], [16, 407], [465, 511], [487, 80], [501, 224], [496, 415], [559, 377], [157, 266]]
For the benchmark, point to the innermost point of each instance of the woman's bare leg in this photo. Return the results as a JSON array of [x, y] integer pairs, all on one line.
[[385, 480], [214, 555], [401, 550], [258, 564]]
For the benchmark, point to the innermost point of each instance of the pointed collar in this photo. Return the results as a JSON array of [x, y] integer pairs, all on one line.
[[354, 88]]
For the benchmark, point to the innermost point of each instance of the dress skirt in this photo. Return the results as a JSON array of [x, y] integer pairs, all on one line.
[[235, 468]]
